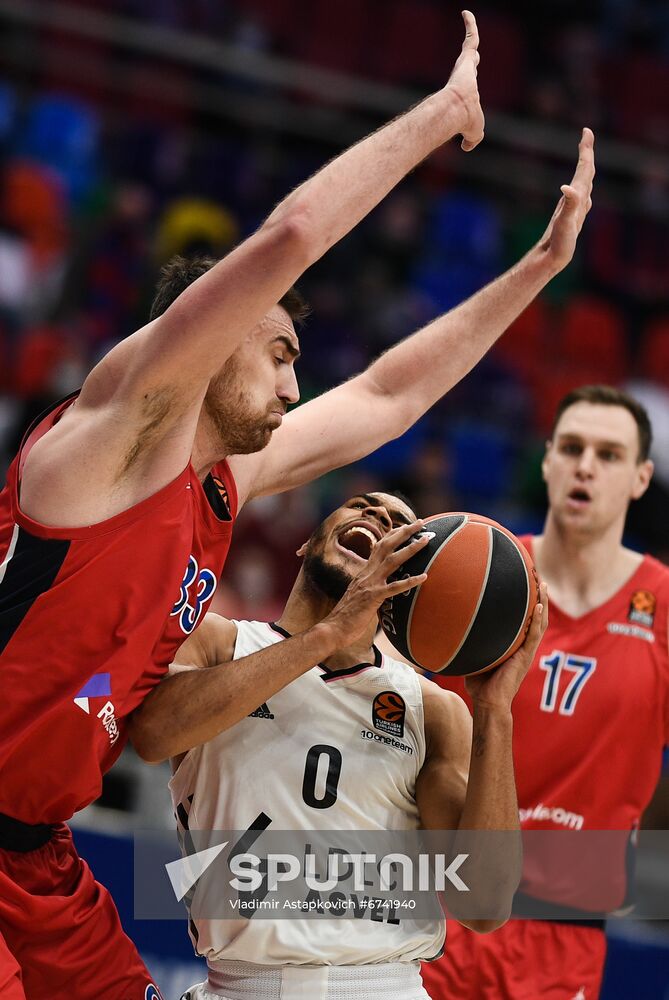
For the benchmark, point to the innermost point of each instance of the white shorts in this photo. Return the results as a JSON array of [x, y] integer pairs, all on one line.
[[242, 981]]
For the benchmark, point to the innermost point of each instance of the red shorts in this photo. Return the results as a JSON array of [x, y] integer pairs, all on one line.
[[523, 960], [60, 934]]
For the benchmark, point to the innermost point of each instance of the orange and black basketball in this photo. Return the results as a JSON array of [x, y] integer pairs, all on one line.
[[474, 609]]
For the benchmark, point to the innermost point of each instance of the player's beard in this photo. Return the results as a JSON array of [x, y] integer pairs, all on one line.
[[240, 429], [332, 581]]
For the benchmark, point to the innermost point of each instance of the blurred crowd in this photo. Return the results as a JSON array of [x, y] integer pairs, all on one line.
[[95, 197]]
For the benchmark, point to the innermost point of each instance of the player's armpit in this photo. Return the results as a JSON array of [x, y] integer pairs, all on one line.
[[193, 706], [213, 642]]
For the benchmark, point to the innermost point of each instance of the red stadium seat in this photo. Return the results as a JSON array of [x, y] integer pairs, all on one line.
[[283, 20], [638, 86], [6, 371], [555, 384], [33, 202], [501, 73], [655, 352], [38, 354], [336, 36], [417, 43], [76, 64], [592, 338], [523, 346]]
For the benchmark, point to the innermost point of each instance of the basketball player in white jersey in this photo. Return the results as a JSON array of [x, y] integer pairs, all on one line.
[[443, 773]]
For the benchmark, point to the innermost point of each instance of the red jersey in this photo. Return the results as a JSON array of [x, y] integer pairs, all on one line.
[[90, 619], [591, 719]]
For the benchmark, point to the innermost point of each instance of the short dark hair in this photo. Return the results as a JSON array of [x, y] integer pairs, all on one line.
[[608, 395], [403, 497], [180, 272]]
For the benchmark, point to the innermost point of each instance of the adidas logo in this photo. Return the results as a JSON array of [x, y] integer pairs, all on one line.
[[262, 713]]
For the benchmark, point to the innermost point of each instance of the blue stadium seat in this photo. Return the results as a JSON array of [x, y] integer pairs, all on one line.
[[7, 110], [464, 239], [63, 133], [482, 461], [395, 456]]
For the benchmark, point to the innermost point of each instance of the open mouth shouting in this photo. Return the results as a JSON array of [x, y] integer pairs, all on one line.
[[578, 498], [358, 539]]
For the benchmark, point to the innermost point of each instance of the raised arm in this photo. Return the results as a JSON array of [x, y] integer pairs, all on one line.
[[149, 389], [467, 785], [192, 705], [205, 324], [357, 417]]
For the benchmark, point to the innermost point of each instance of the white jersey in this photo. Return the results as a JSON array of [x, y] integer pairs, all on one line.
[[275, 762]]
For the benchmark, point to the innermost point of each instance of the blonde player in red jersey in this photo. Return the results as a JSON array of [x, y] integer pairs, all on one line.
[[591, 718]]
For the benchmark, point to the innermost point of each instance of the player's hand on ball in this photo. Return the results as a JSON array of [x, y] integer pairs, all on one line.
[[497, 688], [463, 84], [371, 587], [559, 240]]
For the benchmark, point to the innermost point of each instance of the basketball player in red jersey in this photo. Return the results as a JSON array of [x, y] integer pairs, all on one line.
[[118, 511], [591, 718]]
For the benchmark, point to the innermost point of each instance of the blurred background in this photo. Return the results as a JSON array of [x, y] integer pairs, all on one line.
[[133, 130]]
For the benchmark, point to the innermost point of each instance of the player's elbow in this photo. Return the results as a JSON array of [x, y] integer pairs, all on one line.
[[483, 926], [147, 742], [292, 235], [151, 756], [393, 395]]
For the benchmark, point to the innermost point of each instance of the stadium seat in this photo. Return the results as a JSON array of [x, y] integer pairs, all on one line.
[[554, 384], [396, 454], [481, 457], [62, 132], [463, 235], [77, 65], [38, 354], [6, 371], [282, 19], [501, 72], [592, 338], [336, 36], [523, 347], [7, 110], [654, 364], [638, 86], [33, 203], [415, 43]]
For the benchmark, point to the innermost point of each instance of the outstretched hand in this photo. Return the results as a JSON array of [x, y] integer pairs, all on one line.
[[559, 240], [375, 582], [463, 84], [497, 688]]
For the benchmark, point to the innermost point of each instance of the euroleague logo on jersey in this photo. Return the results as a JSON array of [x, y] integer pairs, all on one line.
[[388, 711], [642, 608], [152, 993]]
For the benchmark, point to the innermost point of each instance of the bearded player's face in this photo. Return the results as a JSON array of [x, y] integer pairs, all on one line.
[[343, 543], [592, 468], [249, 397]]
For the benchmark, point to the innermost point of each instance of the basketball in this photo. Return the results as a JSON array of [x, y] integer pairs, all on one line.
[[474, 609]]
